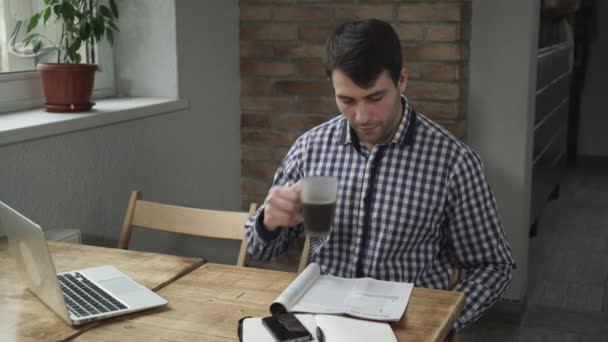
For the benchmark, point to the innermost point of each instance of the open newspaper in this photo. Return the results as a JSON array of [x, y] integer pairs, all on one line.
[[365, 298]]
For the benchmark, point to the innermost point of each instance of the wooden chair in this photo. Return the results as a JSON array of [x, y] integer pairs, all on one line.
[[183, 220], [455, 276], [305, 255]]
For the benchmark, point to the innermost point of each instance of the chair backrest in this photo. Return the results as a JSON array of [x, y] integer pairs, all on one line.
[[455, 276], [183, 220], [305, 255]]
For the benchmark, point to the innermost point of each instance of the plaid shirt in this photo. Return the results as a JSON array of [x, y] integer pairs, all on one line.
[[405, 211]]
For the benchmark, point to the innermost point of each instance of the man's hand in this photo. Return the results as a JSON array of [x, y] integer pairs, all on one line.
[[282, 207]]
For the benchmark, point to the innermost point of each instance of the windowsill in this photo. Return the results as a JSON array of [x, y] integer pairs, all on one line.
[[38, 123]]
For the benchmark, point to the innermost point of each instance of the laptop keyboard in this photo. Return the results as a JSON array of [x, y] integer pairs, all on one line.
[[84, 298]]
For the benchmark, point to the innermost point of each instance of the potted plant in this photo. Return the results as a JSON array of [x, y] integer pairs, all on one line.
[[68, 84]]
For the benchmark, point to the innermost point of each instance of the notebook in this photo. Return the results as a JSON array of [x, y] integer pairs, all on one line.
[[334, 329], [78, 296]]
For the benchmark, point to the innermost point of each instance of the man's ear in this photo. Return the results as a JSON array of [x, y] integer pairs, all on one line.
[[403, 79]]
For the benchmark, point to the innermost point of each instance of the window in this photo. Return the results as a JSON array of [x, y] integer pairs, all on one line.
[[19, 81]]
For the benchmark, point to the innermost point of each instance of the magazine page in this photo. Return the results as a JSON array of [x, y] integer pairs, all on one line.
[[328, 295], [378, 300], [296, 289]]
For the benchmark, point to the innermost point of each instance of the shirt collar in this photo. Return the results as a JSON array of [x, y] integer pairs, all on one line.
[[404, 135]]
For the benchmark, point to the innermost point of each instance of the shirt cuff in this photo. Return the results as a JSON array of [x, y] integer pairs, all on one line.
[[263, 233]]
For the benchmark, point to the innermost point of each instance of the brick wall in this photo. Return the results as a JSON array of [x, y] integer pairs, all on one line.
[[284, 91]]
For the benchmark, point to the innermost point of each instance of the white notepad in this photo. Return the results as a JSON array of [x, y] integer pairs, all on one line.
[[335, 329]]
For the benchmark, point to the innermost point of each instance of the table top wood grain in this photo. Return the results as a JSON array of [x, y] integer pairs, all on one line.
[[206, 304], [25, 318]]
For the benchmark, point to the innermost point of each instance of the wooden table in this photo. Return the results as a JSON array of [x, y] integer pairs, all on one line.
[[25, 318], [205, 305]]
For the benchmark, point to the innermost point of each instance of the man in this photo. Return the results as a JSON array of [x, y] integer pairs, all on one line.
[[412, 199]]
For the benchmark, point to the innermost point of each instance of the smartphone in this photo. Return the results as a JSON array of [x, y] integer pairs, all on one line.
[[286, 327]]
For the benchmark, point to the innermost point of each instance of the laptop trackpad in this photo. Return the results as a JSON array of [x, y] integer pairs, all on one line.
[[120, 286]]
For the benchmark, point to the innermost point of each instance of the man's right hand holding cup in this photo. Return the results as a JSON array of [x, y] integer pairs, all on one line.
[[282, 207]]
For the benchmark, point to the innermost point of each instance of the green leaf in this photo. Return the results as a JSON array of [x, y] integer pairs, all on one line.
[[85, 30], [33, 22], [27, 40], [75, 46], [112, 25], [110, 37], [98, 27], [57, 9], [47, 14], [114, 8], [37, 46], [105, 11], [68, 11]]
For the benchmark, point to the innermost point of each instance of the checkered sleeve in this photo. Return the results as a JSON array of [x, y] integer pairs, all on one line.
[[478, 239], [263, 244]]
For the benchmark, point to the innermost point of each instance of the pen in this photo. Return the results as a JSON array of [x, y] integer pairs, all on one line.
[[320, 336]]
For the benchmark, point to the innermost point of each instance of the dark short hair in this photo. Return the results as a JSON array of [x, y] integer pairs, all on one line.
[[362, 49]]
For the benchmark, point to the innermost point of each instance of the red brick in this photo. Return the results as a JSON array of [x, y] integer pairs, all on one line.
[[458, 128], [256, 50], [255, 68], [279, 2], [268, 32], [254, 13], [303, 88], [434, 52], [267, 104], [438, 110], [311, 68], [319, 105], [409, 32], [414, 71], [256, 120], [247, 200], [256, 153], [364, 12], [280, 153], [268, 138], [256, 87], [299, 122], [441, 72], [326, 1], [258, 169], [314, 33], [301, 14], [301, 51], [254, 187], [443, 33], [430, 12], [433, 91]]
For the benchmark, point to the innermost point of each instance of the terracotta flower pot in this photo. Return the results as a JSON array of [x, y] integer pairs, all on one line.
[[67, 87]]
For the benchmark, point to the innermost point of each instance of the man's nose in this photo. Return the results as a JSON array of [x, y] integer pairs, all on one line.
[[362, 114]]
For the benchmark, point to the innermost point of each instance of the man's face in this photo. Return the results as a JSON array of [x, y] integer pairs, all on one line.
[[375, 112]]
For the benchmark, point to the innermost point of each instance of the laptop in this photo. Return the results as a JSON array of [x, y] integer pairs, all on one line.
[[78, 296]]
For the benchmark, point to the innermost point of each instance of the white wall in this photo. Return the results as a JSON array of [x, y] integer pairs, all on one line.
[[82, 180], [139, 72], [501, 110], [593, 140]]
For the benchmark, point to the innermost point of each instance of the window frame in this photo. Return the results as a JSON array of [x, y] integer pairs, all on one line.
[[22, 90]]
